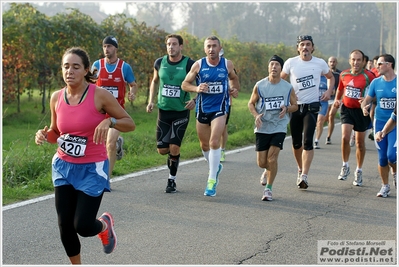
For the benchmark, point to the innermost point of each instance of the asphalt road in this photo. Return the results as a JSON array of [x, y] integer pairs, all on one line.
[[234, 227]]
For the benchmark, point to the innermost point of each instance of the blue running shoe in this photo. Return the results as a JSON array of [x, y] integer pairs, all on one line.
[[210, 189]]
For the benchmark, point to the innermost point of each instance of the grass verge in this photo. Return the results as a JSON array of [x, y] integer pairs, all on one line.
[[27, 167]]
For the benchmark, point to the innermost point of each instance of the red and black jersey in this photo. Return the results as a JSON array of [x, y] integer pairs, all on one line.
[[354, 86]]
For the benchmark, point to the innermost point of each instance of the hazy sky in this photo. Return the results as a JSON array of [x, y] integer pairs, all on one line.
[[111, 8]]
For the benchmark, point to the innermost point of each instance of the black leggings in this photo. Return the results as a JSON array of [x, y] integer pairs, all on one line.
[[77, 214], [303, 120], [171, 127]]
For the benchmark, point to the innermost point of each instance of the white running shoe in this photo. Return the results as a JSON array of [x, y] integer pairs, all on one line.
[[385, 191], [267, 195], [302, 182], [263, 178], [299, 174], [358, 178], [119, 148], [353, 139], [344, 173], [298, 178]]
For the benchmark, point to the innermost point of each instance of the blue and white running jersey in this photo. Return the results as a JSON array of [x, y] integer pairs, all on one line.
[[323, 86], [385, 92], [217, 78]]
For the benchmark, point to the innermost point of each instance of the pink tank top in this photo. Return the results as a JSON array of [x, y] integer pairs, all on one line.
[[76, 125]]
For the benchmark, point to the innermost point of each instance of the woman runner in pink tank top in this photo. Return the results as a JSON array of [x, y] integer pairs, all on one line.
[[80, 165]]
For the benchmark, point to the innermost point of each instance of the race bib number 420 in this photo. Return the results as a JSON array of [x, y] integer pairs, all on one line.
[[72, 145]]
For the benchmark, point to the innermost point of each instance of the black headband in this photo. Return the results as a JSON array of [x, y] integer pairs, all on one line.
[[278, 59], [110, 40]]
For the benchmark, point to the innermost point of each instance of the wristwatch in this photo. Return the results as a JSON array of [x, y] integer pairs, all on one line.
[[113, 122]]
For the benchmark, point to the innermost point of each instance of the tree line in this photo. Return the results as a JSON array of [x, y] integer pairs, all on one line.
[[337, 27], [33, 42]]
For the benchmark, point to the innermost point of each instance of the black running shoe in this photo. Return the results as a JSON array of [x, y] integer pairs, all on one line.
[[371, 136], [171, 187], [302, 182], [328, 141]]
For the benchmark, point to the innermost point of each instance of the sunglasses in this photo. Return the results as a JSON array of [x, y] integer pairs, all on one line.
[[380, 63]]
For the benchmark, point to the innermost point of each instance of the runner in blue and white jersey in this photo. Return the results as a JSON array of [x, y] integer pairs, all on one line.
[[217, 79], [384, 89]]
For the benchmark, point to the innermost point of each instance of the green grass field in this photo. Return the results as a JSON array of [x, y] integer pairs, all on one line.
[[27, 167]]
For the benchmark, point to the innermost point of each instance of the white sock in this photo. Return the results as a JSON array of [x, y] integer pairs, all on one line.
[[206, 155], [214, 161], [106, 226]]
